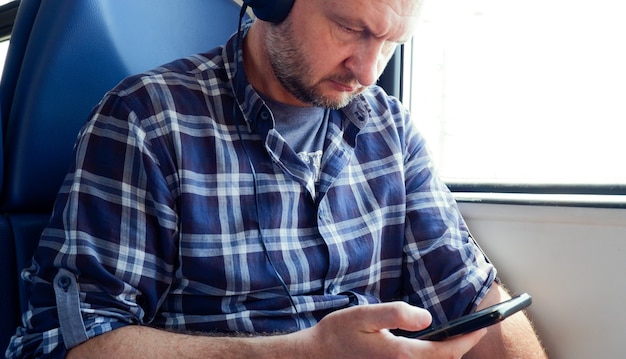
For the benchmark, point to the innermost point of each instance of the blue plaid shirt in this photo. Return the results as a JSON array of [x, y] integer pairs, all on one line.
[[157, 221]]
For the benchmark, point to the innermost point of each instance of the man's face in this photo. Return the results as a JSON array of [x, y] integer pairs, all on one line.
[[327, 52]]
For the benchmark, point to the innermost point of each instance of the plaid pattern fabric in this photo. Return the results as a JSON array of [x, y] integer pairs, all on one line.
[[158, 222]]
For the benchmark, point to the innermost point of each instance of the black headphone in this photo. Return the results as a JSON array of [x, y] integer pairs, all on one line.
[[270, 10]]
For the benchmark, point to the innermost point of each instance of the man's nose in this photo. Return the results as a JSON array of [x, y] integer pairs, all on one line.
[[365, 62]]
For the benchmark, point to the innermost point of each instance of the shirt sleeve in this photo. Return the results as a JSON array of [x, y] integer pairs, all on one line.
[[447, 271], [107, 256]]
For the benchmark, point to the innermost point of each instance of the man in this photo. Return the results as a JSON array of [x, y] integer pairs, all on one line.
[[266, 203]]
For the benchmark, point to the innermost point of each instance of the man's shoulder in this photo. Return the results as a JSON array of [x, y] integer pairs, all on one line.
[[184, 73], [181, 89]]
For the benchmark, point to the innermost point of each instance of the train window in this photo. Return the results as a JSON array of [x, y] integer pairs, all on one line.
[[4, 46], [8, 10], [527, 93]]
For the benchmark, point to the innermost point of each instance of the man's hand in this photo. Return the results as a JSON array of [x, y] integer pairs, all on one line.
[[363, 332]]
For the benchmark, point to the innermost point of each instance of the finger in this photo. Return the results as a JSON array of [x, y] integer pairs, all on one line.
[[461, 344]]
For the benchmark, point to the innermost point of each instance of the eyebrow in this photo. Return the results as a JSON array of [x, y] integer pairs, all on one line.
[[358, 24]]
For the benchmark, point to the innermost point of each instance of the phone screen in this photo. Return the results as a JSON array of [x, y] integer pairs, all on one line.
[[471, 322]]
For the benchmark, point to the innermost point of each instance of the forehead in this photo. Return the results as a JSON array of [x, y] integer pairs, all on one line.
[[385, 18]]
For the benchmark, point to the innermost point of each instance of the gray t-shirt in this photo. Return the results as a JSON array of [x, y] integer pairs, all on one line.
[[304, 129]]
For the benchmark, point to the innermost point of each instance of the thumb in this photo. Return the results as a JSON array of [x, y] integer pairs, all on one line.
[[395, 315]]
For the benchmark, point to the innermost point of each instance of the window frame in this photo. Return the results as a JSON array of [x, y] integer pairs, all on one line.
[[561, 195], [8, 12]]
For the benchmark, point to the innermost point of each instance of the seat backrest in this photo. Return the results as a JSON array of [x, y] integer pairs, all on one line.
[[73, 52], [64, 55], [10, 308]]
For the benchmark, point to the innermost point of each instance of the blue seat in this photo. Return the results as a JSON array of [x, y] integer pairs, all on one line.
[[9, 310], [64, 55]]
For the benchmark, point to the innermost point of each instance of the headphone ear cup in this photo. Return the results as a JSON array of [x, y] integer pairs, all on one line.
[[270, 10]]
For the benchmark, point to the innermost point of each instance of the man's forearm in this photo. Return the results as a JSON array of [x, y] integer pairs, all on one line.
[[145, 342], [356, 332], [511, 338]]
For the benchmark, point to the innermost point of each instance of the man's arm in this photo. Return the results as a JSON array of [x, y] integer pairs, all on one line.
[[145, 342], [511, 338], [356, 332]]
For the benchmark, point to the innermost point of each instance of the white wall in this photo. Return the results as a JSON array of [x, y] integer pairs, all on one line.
[[571, 260]]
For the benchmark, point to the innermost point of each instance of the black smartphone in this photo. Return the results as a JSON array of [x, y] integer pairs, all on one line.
[[474, 321]]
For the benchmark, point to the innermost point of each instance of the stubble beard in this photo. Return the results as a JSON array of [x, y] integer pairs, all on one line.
[[291, 67]]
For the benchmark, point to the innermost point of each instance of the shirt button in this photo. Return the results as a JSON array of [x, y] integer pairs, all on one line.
[[64, 282], [332, 289], [265, 115], [322, 215]]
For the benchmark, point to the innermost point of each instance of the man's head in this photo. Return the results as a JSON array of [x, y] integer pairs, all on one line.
[[328, 51]]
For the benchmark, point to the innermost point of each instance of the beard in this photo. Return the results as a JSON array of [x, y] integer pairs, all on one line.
[[289, 63]]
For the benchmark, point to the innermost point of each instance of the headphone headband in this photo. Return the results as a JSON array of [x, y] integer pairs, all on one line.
[[270, 10]]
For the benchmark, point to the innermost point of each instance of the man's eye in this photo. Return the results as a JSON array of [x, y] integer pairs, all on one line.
[[350, 30]]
